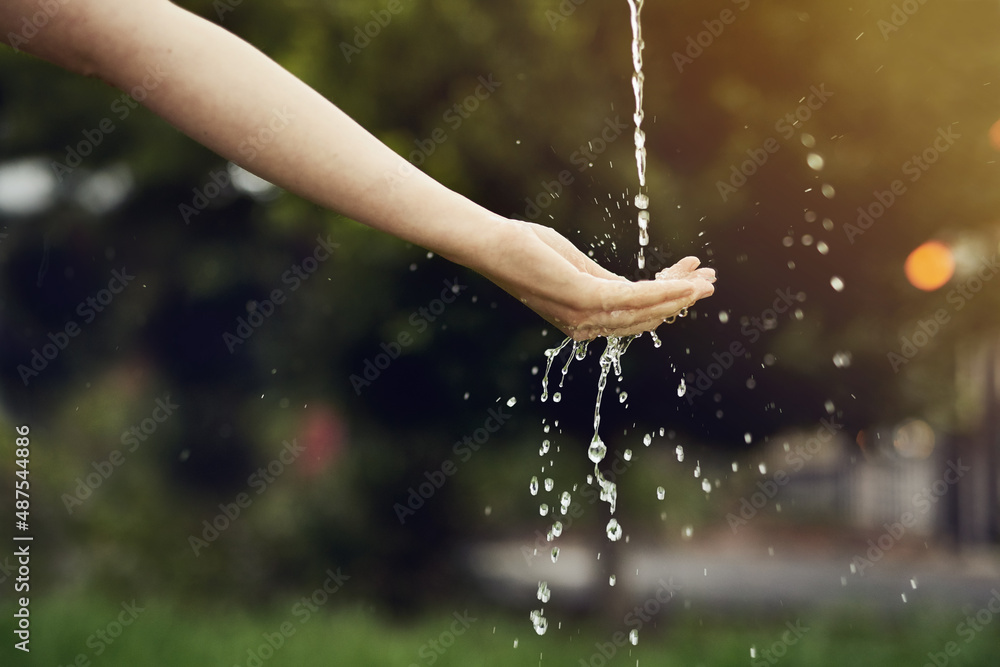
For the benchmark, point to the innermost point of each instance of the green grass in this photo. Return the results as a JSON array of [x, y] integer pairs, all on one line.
[[166, 634]]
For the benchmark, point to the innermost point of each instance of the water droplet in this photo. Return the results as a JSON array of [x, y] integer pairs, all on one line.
[[688, 532], [511, 402], [540, 623], [614, 530], [660, 493], [549, 483], [680, 453], [611, 580], [515, 643], [597, 450], [627, 454], [807, 239], [543, 591], [533, 486], [815, 161], [565, 499], [830, 407], [762, 467], [747, 438], [753, 651], [555, 554], [544, 449], [633, 637], [641, 201], [546, 429], [842, 359], [622, 397], [543, 509], [723, 316], [682, 388], [837, 283], [647, 439], [556, 397], [807, 140], [822, 248], [706, 486], [828, 191]]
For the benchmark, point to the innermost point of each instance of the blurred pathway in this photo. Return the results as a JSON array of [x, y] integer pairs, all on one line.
[[729, 573]]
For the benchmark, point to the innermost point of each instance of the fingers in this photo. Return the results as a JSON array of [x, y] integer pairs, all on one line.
[[687, 268], [635, 307], [685, 265]]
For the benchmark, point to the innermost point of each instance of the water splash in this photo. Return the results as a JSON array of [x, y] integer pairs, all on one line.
[[610, 361]]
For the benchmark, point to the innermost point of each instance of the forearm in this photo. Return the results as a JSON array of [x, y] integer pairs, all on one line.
[[235, 100]]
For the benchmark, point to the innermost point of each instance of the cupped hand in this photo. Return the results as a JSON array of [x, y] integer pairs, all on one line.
[[547, 273]]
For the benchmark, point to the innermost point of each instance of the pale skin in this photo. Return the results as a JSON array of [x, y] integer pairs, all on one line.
[[219, 90]]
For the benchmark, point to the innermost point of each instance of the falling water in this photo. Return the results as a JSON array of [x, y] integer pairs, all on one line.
[[610, 361], [616, 346], [641, 198]]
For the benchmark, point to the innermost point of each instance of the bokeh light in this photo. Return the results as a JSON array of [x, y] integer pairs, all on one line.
[[914, 439], [995, 135], [930, 266]]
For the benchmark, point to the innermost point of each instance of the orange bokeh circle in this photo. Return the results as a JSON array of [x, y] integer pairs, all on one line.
[[930, 266], [995, 135]]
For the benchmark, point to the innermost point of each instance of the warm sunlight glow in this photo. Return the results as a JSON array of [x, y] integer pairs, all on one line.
[[995, 135], [930, 266]]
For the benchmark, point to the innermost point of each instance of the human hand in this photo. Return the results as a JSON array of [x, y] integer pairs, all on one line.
[[547, 273]]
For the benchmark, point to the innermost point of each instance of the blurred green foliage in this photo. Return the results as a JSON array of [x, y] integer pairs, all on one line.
[[165, 634]]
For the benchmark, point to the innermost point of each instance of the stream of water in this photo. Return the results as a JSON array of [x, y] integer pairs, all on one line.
[[610, 359], [641, 197]]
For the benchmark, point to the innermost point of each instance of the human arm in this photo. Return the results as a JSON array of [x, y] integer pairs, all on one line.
[[221, 91]]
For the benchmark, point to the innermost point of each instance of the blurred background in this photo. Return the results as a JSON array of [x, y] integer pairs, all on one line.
[[287, 454]]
